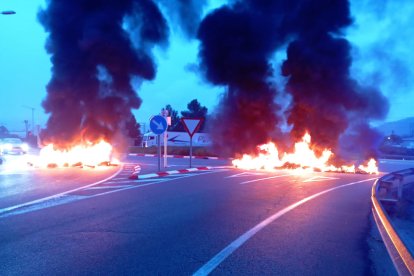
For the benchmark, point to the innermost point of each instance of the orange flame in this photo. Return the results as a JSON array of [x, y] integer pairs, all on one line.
[[303, 158], [88, 154]]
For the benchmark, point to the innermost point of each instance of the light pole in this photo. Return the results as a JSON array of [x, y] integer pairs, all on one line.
[[33, 109], [7, 12]]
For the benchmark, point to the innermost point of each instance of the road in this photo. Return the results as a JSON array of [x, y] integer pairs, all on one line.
[[225, 221]]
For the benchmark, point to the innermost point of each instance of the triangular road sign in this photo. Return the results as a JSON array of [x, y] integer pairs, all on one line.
[[192, 125]]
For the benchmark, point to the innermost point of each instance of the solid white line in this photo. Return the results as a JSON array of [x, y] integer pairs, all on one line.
[[153, 183], [227, 251], [53, 202], [8, 209], [108, 187], [66, 198], [260, 179]]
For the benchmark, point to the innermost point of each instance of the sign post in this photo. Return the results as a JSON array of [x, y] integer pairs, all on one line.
[[164, 113], [158, 125], [191, 125]]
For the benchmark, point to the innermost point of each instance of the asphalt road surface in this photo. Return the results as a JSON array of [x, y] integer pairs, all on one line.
[[221, 221]]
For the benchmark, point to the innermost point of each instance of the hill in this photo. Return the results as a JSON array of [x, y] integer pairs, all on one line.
[[404, 127]]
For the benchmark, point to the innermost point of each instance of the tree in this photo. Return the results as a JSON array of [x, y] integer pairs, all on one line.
[[175, 119], [3, 131], [195, 110]]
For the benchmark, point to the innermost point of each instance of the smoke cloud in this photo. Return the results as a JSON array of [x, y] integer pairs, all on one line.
[[327, 102], [186, 13], [94, 59], [237, 44]]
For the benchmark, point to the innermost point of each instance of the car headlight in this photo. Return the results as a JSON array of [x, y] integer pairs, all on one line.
[[25, 147], [8, 147]]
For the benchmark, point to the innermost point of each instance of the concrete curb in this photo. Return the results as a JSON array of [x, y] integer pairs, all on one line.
[[400, 255], [180, 156], [136, 176]]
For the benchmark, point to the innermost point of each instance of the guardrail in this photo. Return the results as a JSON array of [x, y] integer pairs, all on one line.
[[389, 188]]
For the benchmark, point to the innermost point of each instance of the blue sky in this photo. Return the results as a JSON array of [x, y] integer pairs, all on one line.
[[383, 57]]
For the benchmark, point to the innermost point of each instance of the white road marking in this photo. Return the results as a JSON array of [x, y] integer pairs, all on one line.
[[319, 178], [243, 174], [65, 197], [227, 251], [11, 208], [52, 202], [260, 179], [108, 187], [383, 161]]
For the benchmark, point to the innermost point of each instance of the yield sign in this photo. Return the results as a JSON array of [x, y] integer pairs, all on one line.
[[192, 125]]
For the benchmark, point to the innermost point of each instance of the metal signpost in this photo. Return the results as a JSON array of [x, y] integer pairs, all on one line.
[[158, 124], [164, 113], [191, 125]]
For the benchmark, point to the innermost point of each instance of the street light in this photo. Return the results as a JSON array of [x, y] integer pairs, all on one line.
[[33, 109], [8, 12]]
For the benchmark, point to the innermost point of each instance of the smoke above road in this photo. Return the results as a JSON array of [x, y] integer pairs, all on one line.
[[185, 14], [238, 42], [97, 49]]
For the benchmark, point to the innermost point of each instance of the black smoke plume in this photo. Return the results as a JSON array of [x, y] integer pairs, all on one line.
[[326, 101], [94, 59], [237, 44]]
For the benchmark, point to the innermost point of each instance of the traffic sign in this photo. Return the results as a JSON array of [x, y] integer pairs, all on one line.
[[192, 125], [158, 124]]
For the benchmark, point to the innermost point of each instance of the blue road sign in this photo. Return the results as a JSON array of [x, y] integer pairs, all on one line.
[[158, 124]]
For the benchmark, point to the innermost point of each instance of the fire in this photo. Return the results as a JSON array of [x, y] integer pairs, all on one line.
[[302, 158], [370, 168], [88, 154]]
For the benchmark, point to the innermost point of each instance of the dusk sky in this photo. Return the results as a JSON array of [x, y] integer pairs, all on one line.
[[381, 36]]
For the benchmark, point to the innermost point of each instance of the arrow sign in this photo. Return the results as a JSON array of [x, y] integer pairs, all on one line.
[[191, 125], [158, 124]]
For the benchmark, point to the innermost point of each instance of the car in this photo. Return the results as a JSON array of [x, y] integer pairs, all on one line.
[[13, 146]]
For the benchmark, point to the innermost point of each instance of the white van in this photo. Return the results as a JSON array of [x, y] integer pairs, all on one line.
[[177, 139]]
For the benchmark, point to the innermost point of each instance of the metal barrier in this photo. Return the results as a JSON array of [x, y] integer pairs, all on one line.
[[389, 188]]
